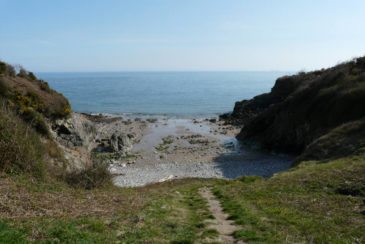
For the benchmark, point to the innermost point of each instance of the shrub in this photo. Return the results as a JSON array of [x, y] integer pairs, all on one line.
[[20, 147], [2, 67], [44, 86], [7, 69], [93, 177], [62, 111], [31, 76], [3, 89], [35, 119], [23, 73]]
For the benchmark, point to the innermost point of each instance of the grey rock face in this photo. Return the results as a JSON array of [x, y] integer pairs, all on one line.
[[120, 143], [67, 134], [114, 143]]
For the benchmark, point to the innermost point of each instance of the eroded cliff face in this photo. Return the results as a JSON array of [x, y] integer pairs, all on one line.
[[85, 138], [71, 138], [302, 108]]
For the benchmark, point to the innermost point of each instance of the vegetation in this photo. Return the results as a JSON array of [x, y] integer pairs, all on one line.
[[95, 176], [166, 142], [304, 107], [26, 92], [172, 212], [316, 203], [6, 69], [20, 146]]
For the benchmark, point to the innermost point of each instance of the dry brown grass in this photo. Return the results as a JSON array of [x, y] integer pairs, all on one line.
[[20, 147], [19, 201]]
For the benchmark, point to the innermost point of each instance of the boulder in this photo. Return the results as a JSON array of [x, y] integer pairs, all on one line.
[[120, 143]]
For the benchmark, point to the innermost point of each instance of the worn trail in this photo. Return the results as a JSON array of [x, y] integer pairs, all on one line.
[[221, 223]]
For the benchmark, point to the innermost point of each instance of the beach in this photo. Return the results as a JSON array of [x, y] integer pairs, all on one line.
[[160, 148]]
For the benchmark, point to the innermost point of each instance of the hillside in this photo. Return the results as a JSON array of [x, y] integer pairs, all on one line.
[[30, 97], [318, 114], [28, 107]]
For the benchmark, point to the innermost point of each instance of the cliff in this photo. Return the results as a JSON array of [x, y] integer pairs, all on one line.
[[40, 135], [306, 113]]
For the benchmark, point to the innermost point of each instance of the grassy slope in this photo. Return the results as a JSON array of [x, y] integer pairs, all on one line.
[[170, 212], [313, 203], [321, 203]]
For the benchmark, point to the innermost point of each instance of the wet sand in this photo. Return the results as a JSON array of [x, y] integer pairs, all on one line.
[[171, 148]]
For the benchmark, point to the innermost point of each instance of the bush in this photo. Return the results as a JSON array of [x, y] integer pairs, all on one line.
[[93, 177], [6, 69], [44, 86], [36, 120], [2, 67], [63, 110], [3, 89], [32, 76], [23, 73], [20, 147]]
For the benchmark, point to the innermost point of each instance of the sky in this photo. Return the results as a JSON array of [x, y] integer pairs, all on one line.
[[179, 35]]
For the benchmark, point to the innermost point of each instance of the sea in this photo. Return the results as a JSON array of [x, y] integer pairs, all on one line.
[[176, 94]]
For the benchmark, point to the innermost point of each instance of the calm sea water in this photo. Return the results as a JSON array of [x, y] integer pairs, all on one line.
[[181, 94]]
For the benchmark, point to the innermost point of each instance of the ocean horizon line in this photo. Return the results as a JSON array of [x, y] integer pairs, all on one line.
[[167, 71]]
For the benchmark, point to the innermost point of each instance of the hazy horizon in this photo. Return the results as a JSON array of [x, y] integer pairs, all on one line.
[[192, 35]]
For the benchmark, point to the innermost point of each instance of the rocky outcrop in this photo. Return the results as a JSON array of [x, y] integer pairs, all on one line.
[[119, 143], [82, 136], [75, 131], [303, 107]]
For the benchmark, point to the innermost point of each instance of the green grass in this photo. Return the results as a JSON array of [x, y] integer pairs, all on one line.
[[315, 203], [172, 212]]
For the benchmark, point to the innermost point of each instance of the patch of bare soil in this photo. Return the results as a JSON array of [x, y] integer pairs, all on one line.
[[221, 223]]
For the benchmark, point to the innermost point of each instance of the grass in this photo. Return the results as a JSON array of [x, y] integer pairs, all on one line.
[[95, 176], [316, 203], [172, 212], [21, 148]]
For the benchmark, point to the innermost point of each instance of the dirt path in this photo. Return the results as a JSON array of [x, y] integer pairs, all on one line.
[[224, 226]]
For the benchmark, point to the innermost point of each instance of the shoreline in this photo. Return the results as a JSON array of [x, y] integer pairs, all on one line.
[[155, 149], [131, 115]]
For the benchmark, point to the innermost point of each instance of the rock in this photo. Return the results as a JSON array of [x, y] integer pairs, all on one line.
[[303, 108], [228, 145], [114, 144], [170, 177], [120, 143], [131, 135], [67, 134], [124, 141]]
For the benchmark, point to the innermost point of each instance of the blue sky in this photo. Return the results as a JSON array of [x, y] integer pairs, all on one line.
[[132, 35]]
